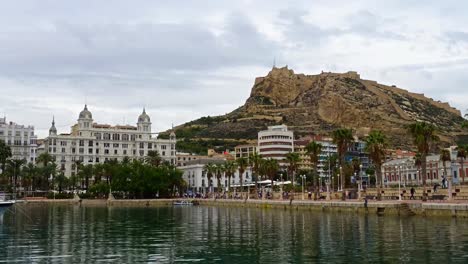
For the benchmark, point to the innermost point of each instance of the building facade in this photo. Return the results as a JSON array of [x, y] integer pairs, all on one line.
[[21, 139], [92, 143], [405, 172], [328, 149], [195, 175], [276, 142], [244, 151]]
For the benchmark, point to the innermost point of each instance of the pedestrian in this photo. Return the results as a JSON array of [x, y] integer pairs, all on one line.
[[435, 187], [310, 195], [412, 191]]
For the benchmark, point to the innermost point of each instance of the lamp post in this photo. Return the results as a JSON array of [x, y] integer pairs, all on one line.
[[399, 181], [341, 180], [303, 177]]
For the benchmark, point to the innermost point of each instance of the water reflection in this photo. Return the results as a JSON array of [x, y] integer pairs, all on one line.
[[60, 234]]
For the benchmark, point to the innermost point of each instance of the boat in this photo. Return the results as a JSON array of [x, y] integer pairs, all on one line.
[[184, 202], [5, 203]]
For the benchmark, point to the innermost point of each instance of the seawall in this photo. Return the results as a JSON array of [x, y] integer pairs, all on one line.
[[352, 206]]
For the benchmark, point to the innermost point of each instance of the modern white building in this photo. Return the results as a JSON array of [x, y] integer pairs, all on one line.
[[92, 143], [197, 179], [328, 149], [276, 142], [21, 140]]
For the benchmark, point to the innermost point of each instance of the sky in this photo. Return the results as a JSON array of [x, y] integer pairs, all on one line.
[[182, 60]]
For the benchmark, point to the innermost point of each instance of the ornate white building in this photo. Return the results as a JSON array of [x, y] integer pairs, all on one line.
[[92, 143], [20, 138]]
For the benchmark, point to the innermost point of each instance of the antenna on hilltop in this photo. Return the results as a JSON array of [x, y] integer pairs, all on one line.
[[274, 62]]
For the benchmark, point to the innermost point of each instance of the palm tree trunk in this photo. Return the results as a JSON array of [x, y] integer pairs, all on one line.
[[423, 171], [462, 170]]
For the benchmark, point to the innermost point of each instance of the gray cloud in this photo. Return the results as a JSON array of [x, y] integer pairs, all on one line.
[[185, 59]]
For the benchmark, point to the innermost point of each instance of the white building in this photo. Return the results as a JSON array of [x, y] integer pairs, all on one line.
[[197, 180], [91, 143], [21, 140], [328, 149], [406, 172], [276, 143]]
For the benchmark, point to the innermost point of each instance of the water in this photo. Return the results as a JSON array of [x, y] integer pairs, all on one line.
[[72, 234]]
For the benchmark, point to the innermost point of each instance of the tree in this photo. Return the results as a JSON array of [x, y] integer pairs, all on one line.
[[293, 160], [314, 149], [29, 176], [417, 162], [153, 158], [461, 155], [85, 172], [376, 146], [342, 138], [424, 134], [13, 169], [230, 168], [444, 156], [210, 170], [219, 173], [45, 158], [271, 168], [254, 162], [242, 165], [5, 153]]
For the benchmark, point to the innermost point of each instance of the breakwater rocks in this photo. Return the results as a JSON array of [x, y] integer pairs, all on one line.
[[352, 206]]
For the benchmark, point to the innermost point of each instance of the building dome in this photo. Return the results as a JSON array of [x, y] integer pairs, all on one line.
[[53, 130], [85, 114], [144, 118]]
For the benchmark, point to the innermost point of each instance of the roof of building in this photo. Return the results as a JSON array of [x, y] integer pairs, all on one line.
[[144, 117], [85, 113]]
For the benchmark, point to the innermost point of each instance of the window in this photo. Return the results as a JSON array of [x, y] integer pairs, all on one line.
[[150, 145], [106, 145], [115, 151], [125, 152], [142, 152], [125, 137], [106, 151], [73, 150], [124, 145], [81, 143], [97, 151], [63, 143], [115, 145], [115, 136], [106, 136], [163, 146], [90, 151], [17, 134], [97, 159], [142, 145], [81, 158], [164, 153], [132, 137], [9, 133], [98, 136], [81, 150], [90, 143], [54, 150], [63, 150]]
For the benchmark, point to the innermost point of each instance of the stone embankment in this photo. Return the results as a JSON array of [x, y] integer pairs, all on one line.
[[404, 208]]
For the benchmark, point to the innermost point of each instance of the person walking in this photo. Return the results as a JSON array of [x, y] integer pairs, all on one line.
[[412, 191]]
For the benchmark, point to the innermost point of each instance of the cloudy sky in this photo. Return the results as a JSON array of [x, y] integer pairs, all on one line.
[[187, 59]]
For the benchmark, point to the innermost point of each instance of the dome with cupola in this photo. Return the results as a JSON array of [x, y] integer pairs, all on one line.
[[53, 130], [144, 118], [85, 113]]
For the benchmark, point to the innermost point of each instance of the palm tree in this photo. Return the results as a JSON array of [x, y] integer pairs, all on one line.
[[45, 158], [230, 168], [153, 158], [210, 169], [342, 138], [418, 162], [444, 157], [271, 168], [254, 162], [5, 153], [85, 172], [293, 160], [424, 134], [29, 176], [14, 170], [376, 145], [461, 155], [242, 165], [219, 173], [314, 149]]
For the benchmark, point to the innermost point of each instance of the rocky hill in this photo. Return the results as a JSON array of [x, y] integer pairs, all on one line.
[[318, 104]]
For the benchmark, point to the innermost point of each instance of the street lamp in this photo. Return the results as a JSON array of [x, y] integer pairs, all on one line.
[[341, 180], [303, 177], [399, 181]]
